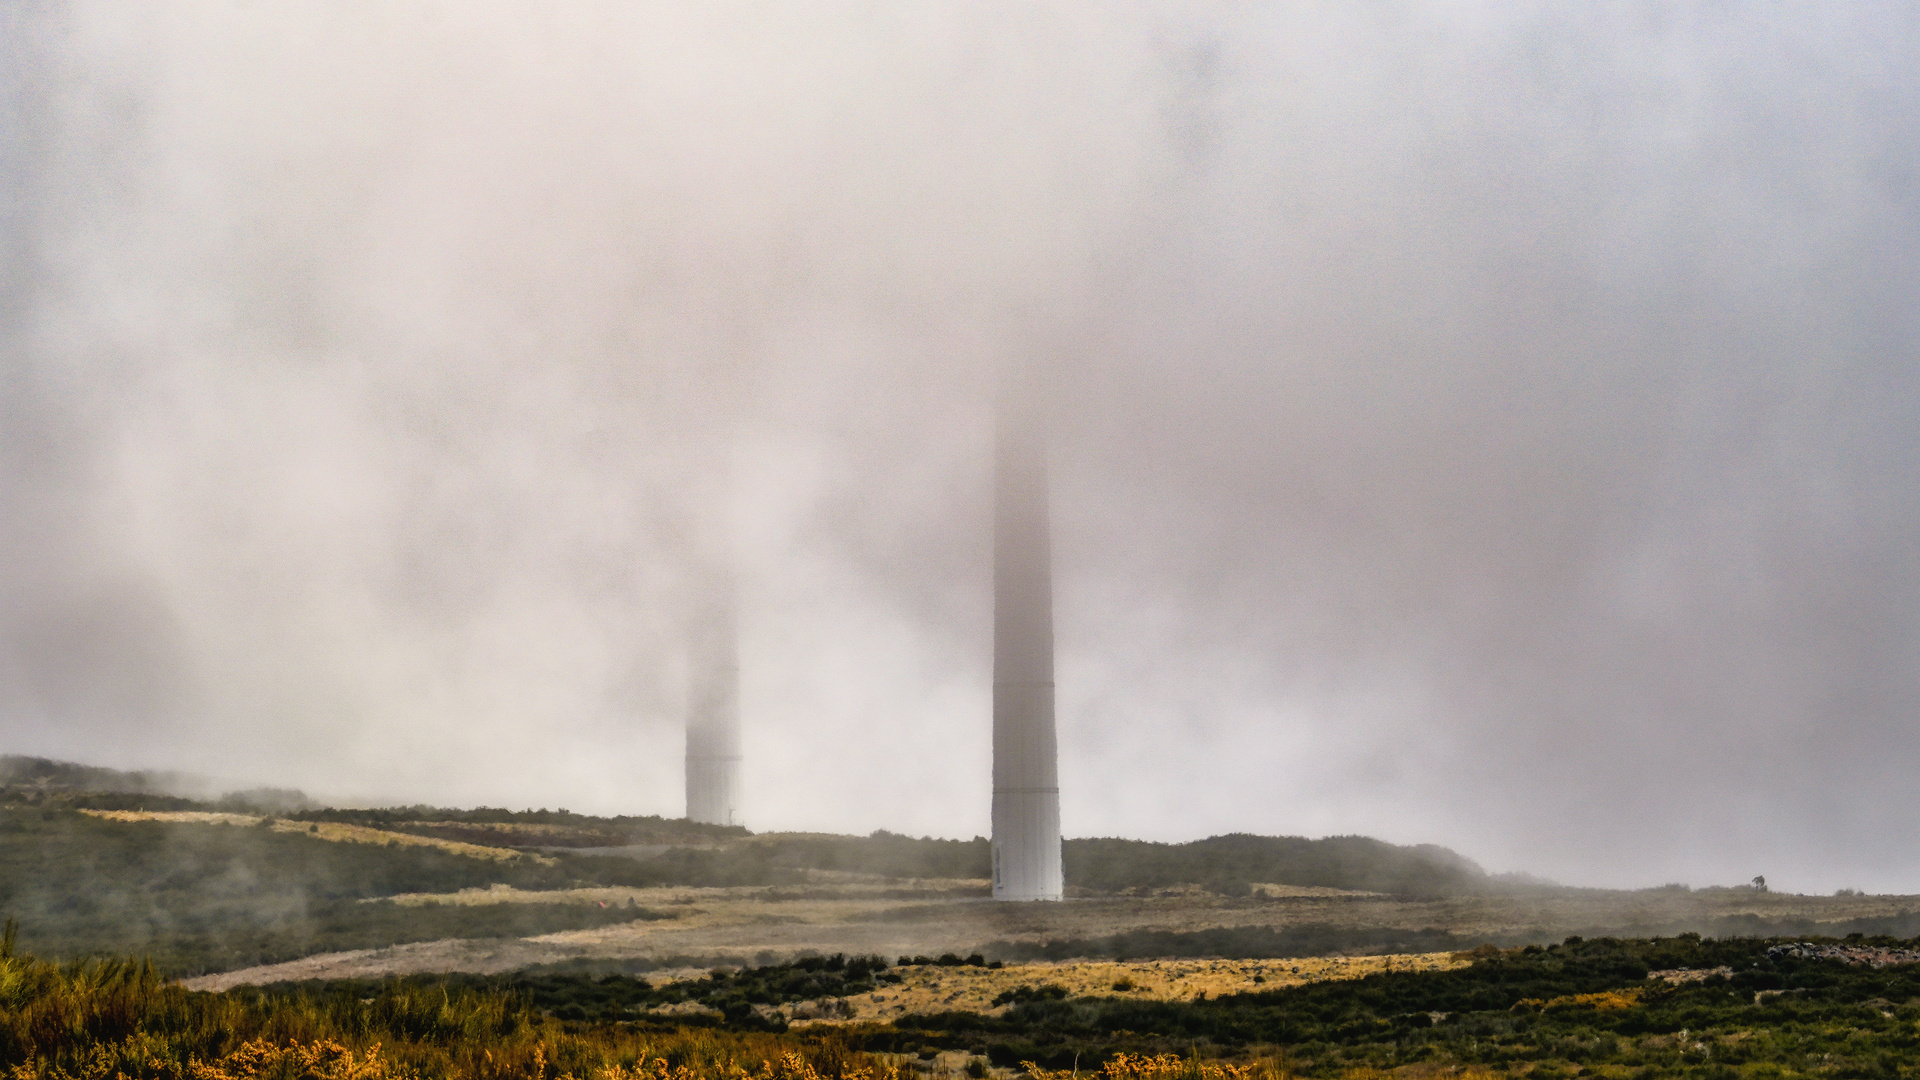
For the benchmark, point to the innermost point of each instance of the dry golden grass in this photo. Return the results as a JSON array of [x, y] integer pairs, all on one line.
[[534, 834], [334, 831], [1600, 1002], [1165, 1067], [327, 1059], [194, 817], [107, 1019], [1173, 1067], [929, 988]]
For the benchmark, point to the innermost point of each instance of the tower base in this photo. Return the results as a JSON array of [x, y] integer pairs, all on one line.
[[1026, 844], [711, 782]]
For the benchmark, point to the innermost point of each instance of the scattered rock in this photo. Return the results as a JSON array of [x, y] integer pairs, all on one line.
[[1676, 976], [1871, 955]]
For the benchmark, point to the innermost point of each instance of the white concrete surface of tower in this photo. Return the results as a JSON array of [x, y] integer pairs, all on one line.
[[713, 709], [1026, 785]]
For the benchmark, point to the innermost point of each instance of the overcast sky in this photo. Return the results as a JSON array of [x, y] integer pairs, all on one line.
[[1492, 424]]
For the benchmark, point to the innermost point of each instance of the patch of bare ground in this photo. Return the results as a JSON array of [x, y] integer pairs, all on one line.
[[765, 925]]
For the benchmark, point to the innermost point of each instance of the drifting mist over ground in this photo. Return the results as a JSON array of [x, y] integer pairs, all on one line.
[[1489, 424]]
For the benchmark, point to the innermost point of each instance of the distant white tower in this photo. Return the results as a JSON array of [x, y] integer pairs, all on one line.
[[713, 709], [1026, 782]]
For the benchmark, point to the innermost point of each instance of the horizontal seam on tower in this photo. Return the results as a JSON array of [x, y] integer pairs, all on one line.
[[1025, 790]]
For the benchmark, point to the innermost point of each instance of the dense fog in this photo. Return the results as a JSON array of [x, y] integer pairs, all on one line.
[[1489, 424]]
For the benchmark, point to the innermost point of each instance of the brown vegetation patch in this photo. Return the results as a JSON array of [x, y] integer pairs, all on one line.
[[333, 831]]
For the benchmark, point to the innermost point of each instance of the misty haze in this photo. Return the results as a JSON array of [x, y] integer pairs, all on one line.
[[841, 541], [1486, 425]]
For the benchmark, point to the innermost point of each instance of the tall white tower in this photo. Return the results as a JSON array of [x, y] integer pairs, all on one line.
[[1026, 781], [713, 708]]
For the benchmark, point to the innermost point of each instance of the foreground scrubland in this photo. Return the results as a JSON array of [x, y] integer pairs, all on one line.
[[111, 1018], [1626, 1009]]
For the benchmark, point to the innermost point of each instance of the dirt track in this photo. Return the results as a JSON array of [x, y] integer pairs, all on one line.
[[758, 925]]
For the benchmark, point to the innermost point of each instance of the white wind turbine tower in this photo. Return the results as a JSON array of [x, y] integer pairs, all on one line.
[[1026, 782], [713, 657], [713, 708]]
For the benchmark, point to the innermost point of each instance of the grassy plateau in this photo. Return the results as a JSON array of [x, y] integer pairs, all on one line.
[[256, 935]]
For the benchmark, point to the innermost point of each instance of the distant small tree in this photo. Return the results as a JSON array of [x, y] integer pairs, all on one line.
[[1760, 883]]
